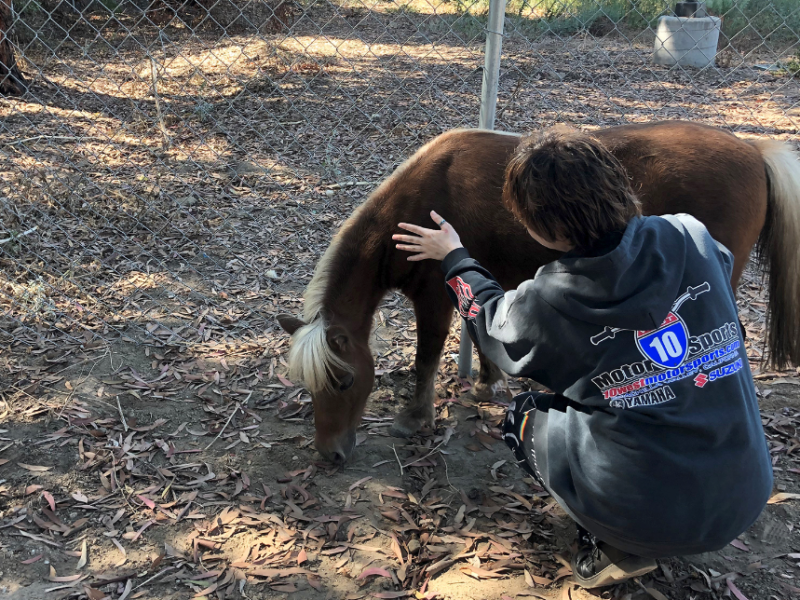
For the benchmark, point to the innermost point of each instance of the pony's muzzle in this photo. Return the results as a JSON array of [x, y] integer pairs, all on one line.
[[337, 450]]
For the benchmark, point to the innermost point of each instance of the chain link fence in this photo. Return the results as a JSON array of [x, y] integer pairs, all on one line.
[[171, 171]]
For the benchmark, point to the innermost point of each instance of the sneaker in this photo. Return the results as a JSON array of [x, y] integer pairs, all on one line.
[[597, 564]]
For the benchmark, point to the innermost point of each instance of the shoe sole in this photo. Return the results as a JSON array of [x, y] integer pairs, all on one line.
[[611, 575]]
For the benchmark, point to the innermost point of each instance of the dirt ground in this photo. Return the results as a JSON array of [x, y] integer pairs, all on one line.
[[150, 444]]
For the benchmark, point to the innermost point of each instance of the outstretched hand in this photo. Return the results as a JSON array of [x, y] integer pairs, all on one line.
[[428, 243]]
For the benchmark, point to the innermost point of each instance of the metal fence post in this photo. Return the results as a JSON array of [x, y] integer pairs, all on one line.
[[491, 64], [491, 76]]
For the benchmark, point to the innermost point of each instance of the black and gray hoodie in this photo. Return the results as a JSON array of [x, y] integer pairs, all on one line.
[[661, 447]]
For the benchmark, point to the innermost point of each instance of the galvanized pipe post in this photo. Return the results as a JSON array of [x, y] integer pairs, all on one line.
[[491, 77]]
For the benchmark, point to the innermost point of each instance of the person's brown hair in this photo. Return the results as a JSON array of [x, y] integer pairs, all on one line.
[[565, 184]]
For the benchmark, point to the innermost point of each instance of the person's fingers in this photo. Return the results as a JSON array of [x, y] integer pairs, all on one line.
[[437, 218], [414, 228], [409, 248], [413, 239], [414, 257]]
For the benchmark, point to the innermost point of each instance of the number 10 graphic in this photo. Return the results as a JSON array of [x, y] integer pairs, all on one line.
[[666, 346]]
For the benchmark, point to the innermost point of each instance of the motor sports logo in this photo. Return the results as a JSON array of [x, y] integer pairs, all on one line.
[[670, 355], [666, 346], [467, 306]]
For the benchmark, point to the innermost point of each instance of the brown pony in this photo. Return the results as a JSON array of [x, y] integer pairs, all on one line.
[[744, 192]]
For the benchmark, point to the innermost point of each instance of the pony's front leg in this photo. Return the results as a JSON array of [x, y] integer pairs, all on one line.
[[434, 313]]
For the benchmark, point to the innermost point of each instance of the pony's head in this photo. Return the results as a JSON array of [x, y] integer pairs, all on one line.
[[339, 372]]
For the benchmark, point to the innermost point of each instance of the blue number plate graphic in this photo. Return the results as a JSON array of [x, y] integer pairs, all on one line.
[[666, 346]]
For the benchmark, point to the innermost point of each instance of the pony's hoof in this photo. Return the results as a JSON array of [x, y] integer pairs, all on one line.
[[483, 392], [401, 430], [406, 425]]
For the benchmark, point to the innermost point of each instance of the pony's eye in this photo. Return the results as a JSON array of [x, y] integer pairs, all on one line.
[[346, 383]]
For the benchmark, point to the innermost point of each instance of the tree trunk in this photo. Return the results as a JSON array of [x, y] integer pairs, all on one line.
[[12, 83]]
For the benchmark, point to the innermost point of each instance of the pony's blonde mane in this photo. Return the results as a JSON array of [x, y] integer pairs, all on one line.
[[311, 359]]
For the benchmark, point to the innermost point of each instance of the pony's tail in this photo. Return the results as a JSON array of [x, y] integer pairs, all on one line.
[[779, 252]]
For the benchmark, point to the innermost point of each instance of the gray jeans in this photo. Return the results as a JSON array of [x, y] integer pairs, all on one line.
[[525, 431]]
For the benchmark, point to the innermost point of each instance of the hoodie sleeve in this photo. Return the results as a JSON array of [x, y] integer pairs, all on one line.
[[727, 258], [504, 324]]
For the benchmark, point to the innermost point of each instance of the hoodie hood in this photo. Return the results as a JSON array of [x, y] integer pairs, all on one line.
[[631, 287]]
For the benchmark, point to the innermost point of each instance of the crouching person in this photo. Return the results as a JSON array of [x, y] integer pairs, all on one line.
[[651, 440]]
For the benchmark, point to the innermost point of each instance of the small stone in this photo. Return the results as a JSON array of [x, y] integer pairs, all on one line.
[[295, 458], [413, 546], [403, 392]]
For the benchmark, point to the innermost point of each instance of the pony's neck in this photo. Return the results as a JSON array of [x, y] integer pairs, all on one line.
[[354, 306], [348, 283]]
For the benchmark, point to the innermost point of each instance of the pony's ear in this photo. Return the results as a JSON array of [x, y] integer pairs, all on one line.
[[290, 323], [338, 338]]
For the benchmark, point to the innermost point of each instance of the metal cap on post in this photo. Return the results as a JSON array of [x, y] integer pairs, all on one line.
[[491, 77]]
